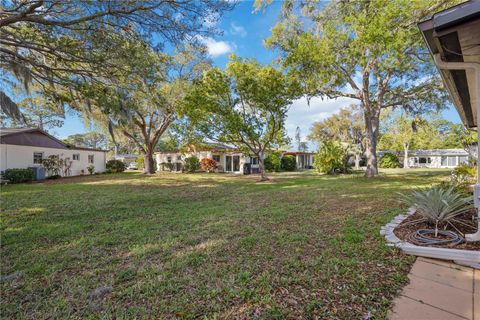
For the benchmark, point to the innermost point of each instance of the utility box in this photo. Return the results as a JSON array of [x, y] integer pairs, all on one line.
[[247, 168], [38, 173]]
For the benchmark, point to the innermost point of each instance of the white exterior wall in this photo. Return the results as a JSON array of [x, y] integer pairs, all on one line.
[[15, 156], [163, 157], [436, 162]]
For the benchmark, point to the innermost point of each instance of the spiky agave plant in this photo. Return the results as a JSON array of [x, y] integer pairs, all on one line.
[[438, 205]]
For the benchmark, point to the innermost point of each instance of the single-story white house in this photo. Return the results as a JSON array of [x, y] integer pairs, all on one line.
[[435, 158], [28, 147], [303, 159], [229, 159]]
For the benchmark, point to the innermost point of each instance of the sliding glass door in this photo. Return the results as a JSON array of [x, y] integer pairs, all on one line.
[[232, 163]]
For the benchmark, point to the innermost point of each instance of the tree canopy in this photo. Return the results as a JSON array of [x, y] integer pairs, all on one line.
[[244, 105], [370, 51], [56, 43]]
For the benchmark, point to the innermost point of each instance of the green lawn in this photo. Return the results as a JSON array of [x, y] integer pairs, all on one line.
[[189, 245]]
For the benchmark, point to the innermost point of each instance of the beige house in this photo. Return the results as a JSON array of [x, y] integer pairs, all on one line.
[[27, 147]]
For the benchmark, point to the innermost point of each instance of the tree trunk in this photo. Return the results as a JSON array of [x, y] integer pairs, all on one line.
[[357, 161], [261, 168], [405, 156], [371, 123], [149, 163]]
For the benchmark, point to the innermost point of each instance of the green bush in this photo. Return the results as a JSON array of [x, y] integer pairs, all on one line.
[[463, 175], [18, 175], [289, 163], [192, 164], [332, 158], [272, 162], [115, 166], [91, 168], [389, 161]]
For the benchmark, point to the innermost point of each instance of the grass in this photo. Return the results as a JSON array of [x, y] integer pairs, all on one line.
[[203, 246]]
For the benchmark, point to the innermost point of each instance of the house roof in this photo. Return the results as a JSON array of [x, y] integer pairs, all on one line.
[[297, 152], [9, 133], [438, 152], [453, 35], [431, 152]]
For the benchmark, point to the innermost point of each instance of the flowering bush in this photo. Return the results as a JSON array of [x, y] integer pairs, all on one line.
[[208, 164]]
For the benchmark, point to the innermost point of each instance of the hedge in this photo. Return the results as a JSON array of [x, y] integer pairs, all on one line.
[[18, 175]]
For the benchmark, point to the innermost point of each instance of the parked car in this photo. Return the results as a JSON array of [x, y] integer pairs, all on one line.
[[132, 166]]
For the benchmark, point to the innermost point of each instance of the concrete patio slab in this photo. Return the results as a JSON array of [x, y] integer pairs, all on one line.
[[439, 290]]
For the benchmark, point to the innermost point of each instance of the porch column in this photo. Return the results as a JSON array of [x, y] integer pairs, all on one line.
[[476, 68]]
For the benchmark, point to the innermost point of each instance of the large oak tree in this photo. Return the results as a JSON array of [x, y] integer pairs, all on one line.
[[370, 51], [55, 43]]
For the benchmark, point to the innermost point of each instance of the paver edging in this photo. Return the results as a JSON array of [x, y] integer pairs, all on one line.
[[467, 258]]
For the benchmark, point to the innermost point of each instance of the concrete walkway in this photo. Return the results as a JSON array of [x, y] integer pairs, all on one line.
[[439, 290]]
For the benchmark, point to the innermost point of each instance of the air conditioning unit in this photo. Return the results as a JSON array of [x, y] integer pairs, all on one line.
[[38, 173]]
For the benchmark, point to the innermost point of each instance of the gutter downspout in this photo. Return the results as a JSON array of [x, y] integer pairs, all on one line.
[[443, 65]]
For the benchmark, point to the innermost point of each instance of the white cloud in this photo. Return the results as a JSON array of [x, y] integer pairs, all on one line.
[[238, 30], [303, 115], [217, 48]]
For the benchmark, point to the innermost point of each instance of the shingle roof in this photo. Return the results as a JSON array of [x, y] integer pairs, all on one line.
[[8, 131], [11, 131]]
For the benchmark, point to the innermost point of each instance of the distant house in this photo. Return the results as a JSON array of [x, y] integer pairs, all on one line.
[[229, 159], [436, 158], [304, 159], [126, 158], [28, 147]]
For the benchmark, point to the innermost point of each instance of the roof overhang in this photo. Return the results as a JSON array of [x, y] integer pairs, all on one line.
[[453, 36]]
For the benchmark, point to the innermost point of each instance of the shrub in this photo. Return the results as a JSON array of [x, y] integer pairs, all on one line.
[[53, 165], [208, 164], [463, 175], [91, 169], [115, 166], [166, 166], [272, 162], [16, 175], [192, 164], [438, 204], [289, 163], [332, 158], [140, 162], [389, 161]]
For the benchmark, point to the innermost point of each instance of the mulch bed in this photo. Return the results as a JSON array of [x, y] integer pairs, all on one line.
[[404, 229]]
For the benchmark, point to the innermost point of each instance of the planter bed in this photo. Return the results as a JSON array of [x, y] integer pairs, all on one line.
[[467, 254]]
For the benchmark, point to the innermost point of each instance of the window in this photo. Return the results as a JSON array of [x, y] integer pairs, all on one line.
[[216, 158], [76, 156], [169, 159], [462, 159], [37, 157], [254, 160], [444, 161], [90, 158], [452, 161], [179, 158], [424, 160]]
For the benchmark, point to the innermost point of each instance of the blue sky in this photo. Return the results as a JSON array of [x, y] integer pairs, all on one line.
[[243, 35]]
